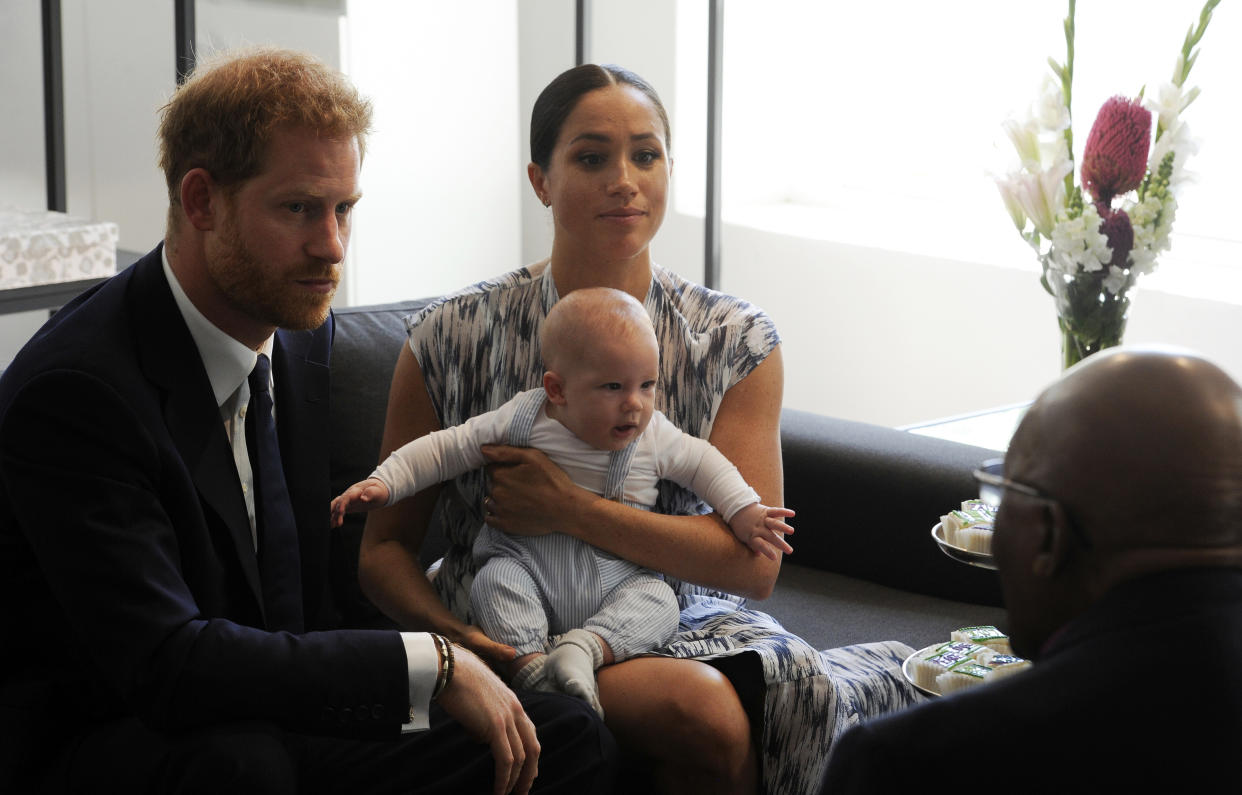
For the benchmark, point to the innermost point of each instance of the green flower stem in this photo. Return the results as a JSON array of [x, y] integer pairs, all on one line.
[[1090, 318], [1066, 74], [1192, 38], [1189, 53]]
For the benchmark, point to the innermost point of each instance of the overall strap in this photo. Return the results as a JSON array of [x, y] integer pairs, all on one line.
[[618, 470], [529, 404]]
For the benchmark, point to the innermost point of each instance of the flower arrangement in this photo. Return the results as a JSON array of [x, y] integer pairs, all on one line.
[[1094, 247]]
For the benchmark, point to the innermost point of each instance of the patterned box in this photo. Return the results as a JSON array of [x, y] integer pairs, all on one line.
[[47, 247]]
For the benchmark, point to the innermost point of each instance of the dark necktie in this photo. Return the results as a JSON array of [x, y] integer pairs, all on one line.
[[279, 560]]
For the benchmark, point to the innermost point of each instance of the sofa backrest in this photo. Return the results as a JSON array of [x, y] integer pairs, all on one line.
[[364, 353], [867, 497]]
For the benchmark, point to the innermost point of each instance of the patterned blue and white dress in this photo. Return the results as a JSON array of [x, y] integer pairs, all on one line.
[[480, 346]]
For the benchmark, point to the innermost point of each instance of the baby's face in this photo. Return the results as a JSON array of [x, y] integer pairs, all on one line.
[[610, 393]]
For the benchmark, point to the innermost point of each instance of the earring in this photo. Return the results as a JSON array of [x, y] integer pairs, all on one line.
[[547, 202]]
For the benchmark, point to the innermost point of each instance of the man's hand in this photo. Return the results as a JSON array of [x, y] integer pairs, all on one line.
[[760, 528], [365, 495], [492, 714]]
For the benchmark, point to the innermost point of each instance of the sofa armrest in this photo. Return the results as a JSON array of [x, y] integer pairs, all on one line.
[[867, 497]]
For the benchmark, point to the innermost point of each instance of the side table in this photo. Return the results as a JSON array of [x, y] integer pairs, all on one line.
[[991, 428]]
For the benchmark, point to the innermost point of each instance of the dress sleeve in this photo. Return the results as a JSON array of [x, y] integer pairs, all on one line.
[[753, 336]]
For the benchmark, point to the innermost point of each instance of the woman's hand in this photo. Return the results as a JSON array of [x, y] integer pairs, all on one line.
[[473, 638], [529, 495]]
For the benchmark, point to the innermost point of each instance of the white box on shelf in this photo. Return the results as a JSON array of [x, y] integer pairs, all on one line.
[[47, 247]]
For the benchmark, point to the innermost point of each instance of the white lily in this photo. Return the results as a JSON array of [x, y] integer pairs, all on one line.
[[1042, 195], [1024, 135]]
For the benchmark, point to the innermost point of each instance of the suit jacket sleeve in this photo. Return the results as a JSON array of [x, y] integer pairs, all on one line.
[[863, 761], [141, 571]]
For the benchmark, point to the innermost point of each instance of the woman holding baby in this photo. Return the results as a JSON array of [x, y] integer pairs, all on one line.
[[734, 703]]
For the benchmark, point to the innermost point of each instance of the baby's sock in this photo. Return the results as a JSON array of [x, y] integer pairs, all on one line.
[[572, 663]]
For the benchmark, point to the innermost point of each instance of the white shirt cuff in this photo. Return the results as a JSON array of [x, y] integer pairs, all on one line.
[[423, 664]]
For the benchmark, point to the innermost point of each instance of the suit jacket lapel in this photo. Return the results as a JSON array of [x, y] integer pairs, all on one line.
[[300, 370], [168, 356]]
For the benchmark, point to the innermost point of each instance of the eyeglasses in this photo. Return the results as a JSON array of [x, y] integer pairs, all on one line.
[[990, 476], [992, 483]]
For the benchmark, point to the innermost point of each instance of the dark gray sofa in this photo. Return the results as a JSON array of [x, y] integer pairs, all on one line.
[[864, 566]]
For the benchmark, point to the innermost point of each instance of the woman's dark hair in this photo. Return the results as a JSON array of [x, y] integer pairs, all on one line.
[[561, 96]]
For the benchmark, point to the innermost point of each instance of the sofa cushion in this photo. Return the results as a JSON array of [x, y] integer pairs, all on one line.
[[831, 610]]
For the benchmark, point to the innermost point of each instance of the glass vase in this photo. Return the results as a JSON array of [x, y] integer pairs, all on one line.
[[1090, 322]]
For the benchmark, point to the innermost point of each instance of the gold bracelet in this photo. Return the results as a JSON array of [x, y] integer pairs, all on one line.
[[443, 669], [448, 674]]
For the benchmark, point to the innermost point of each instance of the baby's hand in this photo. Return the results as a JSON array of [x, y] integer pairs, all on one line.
[[365, 495], [760, 528]]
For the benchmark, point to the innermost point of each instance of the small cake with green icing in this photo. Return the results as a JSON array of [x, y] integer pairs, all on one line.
[[967, 673], [988, 636], [1003, 665], [974, 515], [928, 666], [972, 656], [975, 538], [987, 667]]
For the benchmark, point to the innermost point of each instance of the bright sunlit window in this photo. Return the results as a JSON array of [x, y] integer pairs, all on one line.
[[880, 124]]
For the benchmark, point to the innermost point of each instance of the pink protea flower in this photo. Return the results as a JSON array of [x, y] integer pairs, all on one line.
[[1115, 157], [1115, 225]]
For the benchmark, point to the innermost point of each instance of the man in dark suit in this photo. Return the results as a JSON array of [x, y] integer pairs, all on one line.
[[1119, 547], [163, 556]]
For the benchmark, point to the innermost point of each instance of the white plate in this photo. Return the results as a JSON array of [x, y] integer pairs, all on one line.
[[981, 559], [907, 669]]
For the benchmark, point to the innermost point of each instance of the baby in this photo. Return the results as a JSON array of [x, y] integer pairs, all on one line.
[[564, 605]]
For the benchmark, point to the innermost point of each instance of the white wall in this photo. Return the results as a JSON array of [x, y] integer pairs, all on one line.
[[441, 206], [545, 49]]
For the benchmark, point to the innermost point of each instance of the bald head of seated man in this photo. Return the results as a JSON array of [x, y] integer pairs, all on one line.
[[1140, 452], [1119, 548]]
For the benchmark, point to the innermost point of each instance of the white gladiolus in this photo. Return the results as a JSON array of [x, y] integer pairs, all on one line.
[[1168, 103], [1049, 110]]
